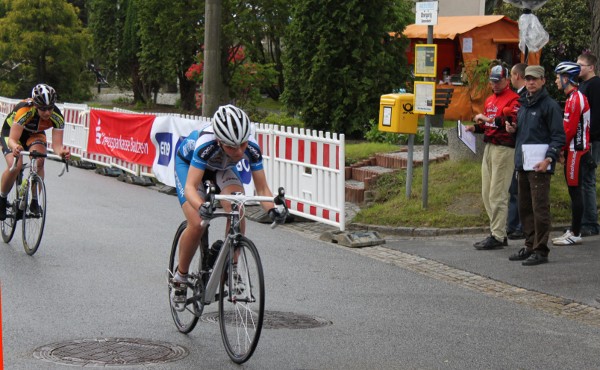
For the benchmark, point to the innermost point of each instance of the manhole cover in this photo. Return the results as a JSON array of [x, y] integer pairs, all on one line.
[[280, 320], [110, 352]]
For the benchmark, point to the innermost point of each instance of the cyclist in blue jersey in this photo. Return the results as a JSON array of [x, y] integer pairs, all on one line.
[[212, 153]]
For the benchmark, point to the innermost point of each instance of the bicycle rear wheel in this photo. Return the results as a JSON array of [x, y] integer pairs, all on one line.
[[241, 308], [9, 225], [186, 320], [34, 220]]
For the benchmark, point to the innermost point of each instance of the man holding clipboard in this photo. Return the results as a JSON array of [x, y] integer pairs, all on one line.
[[540, 125]]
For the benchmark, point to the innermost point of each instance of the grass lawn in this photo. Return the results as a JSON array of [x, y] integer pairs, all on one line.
[[454, 198]]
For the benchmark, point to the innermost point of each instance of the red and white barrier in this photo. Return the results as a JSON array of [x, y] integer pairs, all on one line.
[[308, 164]]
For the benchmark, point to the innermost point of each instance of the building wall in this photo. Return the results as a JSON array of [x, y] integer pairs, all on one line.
[[460, 7]]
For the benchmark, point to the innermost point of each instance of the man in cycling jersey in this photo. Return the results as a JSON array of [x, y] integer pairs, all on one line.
[[575, 156], [212, 153], [24, 129]]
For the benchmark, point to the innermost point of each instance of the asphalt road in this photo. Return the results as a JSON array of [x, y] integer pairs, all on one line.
[[100, 273]]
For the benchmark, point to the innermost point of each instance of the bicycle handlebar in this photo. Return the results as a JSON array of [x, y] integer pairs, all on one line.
[[241, 199], [36, 154]]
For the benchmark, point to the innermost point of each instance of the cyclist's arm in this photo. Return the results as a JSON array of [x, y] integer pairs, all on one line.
[[57, 144], [262, 188], [192, 184], [16, 131]]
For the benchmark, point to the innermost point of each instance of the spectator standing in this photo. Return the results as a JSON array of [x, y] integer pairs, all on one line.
[[514, 229], [539, 121], [590, 87], [497, 167], [576, 153]]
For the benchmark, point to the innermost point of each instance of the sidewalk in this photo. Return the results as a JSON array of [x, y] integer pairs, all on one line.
[[566, 286]]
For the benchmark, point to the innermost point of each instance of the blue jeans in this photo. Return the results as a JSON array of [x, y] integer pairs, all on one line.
[[590, 209]]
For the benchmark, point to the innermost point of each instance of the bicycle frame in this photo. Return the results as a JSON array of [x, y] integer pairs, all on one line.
[[235, 280], [235, 217], [28, 187]]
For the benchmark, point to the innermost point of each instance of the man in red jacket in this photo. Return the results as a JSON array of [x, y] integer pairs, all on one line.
[[497, 167]]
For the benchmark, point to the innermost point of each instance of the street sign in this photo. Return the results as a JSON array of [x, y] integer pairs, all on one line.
[[426, 13], [425, 60]]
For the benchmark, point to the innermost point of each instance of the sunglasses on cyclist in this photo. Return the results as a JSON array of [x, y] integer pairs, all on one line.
[[44, 108]]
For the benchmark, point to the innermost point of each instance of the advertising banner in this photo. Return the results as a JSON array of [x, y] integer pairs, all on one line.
[[167, 134], [123, 136]]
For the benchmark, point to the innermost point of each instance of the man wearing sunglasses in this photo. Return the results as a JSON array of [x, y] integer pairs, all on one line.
[[24, 129]]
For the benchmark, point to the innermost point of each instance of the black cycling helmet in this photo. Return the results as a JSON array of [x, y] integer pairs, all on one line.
[[231, 125], [43, 95], [569, 69]]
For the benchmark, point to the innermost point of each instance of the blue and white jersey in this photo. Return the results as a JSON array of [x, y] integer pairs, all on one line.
[[208, 155]]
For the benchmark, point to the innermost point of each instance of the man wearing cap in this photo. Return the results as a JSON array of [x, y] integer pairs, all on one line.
[[540, 122], [497, 167]]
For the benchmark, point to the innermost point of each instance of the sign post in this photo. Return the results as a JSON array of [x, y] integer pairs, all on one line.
[[426, 14]]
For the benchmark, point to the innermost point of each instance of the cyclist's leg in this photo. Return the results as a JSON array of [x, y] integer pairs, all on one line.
[[37, 142], [229, 182], [190, 237], [8, 177], [193, 233]]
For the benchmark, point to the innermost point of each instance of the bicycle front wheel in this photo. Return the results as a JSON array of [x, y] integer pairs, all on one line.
[[242, 301], [9, 225], [34, 215]]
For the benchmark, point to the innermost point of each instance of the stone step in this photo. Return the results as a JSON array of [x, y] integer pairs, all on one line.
[[366, 172], [361, 176]]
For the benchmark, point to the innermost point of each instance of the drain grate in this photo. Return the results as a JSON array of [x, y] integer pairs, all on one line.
[[110, 352], [280, 320]]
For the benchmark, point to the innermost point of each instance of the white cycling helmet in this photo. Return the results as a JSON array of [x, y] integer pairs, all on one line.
[[570, 69], [231, 125], [43, 95]]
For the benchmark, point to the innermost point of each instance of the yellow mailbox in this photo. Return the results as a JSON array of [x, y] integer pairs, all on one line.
[[396, 114]]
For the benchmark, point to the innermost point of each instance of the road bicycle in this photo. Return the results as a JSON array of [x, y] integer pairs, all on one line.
[[235, 279], [19, 199]]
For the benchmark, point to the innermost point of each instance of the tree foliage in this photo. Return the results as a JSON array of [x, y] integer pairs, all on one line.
[[260, 26], [340, 58], [169, 40], [43, 41], [568, 24]]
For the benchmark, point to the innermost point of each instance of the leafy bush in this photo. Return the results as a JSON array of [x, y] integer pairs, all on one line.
[[437, 136], [282, 119]]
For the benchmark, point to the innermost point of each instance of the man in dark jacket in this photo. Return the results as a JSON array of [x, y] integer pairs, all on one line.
[[539, 138]]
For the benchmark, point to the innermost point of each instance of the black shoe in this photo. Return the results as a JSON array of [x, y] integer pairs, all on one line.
[[521, 255], [535, 259], [3, 204], [490, 243], [34, 208], [516, 235], [588, 232], [480, 243]]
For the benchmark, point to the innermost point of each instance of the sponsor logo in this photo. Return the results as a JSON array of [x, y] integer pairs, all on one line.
[[164, 140], [99, 133], [243, 168]]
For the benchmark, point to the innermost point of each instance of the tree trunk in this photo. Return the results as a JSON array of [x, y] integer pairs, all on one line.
[[595, 30], [212, 89]]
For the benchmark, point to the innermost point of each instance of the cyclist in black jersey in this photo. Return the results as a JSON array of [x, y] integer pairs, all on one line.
[[24, 129]]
